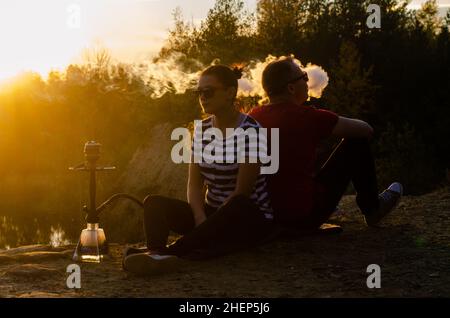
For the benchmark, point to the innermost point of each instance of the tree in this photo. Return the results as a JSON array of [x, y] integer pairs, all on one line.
[[447, 19], [279, 25], [98, 61], [350, 92], [183, 38], [98, 56], [428, 18], [227, 33]]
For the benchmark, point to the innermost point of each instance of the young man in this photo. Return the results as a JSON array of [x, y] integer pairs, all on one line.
[[302, 198]]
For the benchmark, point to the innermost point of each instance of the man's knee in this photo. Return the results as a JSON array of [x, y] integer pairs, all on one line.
[[355, 142]]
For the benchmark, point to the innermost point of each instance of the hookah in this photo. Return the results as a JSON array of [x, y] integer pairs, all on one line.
[[92, 246]]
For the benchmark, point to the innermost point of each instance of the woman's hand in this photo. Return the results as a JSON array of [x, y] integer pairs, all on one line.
[[196, 194], [246, 179], [199, 219]]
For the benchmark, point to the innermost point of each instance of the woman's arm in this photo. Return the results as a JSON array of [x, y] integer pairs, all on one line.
[[195, 193], [246, 179]]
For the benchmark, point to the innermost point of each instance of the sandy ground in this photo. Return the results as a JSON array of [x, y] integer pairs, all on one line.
[[412, 247]]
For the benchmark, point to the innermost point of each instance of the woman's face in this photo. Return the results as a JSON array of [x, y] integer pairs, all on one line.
[[213, 96]]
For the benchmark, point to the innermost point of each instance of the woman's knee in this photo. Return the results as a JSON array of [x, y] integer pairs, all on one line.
[[238, 204], [240, 199], [153, 203]]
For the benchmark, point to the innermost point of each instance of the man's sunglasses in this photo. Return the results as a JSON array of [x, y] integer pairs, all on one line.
[[304, 76], [206, 92]]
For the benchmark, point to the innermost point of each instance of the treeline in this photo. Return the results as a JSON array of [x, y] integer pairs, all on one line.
[[397, 77], [43, 122]]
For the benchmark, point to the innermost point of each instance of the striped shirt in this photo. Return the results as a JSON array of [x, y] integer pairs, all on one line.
[[219, 159]]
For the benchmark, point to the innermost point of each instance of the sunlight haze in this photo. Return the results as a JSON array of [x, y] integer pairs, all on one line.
[[41, 35]]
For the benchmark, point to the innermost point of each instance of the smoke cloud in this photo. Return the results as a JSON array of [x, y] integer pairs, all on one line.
[[168, 75], [251, 84]]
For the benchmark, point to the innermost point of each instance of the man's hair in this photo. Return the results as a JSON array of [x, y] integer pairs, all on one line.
[[276, 76]]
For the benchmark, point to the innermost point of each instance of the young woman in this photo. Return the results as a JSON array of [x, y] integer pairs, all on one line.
[[235, 212]]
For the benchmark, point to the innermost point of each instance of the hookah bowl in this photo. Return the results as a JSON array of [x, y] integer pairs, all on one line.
[[92, 246]]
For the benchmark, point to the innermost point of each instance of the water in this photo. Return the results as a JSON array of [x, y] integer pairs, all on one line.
[[55, 230], [46, 209]]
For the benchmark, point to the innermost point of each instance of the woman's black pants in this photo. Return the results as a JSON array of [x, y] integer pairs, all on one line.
[[236, 225]]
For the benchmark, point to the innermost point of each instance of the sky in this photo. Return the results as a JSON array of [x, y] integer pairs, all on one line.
[[40, 35]]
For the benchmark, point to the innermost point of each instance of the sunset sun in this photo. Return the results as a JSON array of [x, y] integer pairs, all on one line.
[[37, 36]]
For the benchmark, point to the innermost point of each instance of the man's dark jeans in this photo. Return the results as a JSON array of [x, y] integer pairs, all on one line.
[[351, 161]]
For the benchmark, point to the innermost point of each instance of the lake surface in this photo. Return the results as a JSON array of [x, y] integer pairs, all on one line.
[[54, 229], [45, 209]]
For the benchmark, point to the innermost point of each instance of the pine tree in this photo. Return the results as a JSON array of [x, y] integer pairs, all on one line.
[[350, 92]]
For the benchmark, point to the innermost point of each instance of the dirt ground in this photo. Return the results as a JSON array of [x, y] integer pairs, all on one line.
[[412, 247]]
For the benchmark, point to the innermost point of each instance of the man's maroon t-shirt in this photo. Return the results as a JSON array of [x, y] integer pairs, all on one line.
[[300, 129]]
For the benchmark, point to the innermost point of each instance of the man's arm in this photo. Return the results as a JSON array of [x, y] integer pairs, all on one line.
[[352, 128], [195, 193]]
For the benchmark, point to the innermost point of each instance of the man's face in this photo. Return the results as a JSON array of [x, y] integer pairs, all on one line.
[[298, 84]]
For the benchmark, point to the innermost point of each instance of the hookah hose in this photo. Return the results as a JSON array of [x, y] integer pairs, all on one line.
[[92, 154], [115, 197]]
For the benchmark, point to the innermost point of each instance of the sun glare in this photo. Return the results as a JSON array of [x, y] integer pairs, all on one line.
[[39, 36]]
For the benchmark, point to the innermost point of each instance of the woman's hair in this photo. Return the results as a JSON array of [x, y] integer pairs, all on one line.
[[227, 76]]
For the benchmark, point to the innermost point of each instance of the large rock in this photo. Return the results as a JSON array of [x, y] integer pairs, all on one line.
[[150, 171], [32, 272], [34, 253]]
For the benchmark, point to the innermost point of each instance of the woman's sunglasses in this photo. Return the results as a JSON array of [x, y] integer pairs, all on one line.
[[207, 92]]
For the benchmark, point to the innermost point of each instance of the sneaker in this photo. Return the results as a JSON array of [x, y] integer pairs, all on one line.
[[151, 264], [388, 200]]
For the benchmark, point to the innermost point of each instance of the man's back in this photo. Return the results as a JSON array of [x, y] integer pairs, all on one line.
[[301, 128]]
